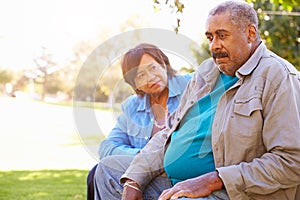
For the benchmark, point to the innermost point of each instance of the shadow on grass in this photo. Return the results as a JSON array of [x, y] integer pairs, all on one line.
[[43, 184]]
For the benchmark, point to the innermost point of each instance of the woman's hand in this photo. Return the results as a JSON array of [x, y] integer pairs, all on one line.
[[132, 191]]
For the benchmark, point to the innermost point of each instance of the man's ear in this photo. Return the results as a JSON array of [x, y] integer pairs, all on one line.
[[252, 33]]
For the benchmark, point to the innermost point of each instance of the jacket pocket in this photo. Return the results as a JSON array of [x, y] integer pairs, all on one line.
[[139, 136], [247, 106], [245, 129], [247, 120]]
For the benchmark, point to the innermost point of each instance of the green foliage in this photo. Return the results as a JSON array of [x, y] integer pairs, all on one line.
[[203, 53], [176, 6], [286, 4], [43, 185], [280, 29], [5, 76]]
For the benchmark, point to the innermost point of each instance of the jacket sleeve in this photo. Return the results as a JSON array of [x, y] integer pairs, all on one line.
[[279, 167], [149, 163], [117, 142]]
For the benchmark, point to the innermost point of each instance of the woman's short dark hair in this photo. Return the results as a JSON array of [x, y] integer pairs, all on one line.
[[132, 59]]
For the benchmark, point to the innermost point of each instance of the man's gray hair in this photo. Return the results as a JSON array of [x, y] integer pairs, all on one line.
[[241, 13]]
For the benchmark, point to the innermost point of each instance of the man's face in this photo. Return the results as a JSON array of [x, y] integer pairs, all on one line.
[[229, 45]]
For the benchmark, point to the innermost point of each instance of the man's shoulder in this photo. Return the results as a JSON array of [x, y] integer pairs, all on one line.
[[205, 67], [277, 65]]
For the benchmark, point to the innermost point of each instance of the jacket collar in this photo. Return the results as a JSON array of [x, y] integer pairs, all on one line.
[[252, 62]]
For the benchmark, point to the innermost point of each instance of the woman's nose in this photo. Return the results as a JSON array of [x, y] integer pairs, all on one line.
[[150, 76]]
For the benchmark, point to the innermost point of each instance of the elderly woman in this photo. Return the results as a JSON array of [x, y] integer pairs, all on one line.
[[158, 91]]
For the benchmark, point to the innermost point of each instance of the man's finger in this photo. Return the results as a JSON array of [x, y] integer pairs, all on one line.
[[166, 194]]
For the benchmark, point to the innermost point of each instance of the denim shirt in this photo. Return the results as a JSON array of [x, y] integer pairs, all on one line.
[[134, 126]]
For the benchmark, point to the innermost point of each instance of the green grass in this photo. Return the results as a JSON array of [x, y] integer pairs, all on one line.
[[43, 185]]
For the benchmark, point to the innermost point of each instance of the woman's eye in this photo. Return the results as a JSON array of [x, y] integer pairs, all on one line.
[[153, 68], [141, 76]]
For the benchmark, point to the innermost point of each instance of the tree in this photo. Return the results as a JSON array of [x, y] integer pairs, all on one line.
[[102, 63], [176, 6], [6, 76], [48, 77], [45, 66]]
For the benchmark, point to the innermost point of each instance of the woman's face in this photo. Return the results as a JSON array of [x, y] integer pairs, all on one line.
[[151, 76]]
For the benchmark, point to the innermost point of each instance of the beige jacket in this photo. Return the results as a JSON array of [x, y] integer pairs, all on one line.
[[255, 133]]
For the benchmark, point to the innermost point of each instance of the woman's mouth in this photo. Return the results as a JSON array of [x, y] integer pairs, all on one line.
[[154, 85]]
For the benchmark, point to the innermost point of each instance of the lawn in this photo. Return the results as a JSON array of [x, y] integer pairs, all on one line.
[[41, 136], [43, 184]]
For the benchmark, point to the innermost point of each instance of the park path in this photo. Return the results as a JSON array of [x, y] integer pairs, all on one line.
[[36, 136]]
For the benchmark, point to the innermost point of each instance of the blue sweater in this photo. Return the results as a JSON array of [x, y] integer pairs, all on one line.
[[190, 152]]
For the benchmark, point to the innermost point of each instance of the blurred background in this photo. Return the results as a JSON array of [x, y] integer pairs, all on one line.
[[43, 46]]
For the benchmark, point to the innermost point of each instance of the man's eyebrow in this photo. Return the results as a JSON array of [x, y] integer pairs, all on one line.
[[221, 31], [217, 31]]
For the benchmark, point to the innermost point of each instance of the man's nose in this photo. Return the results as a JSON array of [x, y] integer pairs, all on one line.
[[215, 44]]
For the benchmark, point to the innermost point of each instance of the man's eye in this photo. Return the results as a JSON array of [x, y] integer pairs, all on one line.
[[210, 38], [222, 36]]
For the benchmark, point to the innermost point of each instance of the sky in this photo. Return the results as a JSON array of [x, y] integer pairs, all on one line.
[[28, 25]]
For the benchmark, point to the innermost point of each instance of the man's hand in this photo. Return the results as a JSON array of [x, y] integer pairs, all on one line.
[[132, 191], [200, 186]]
